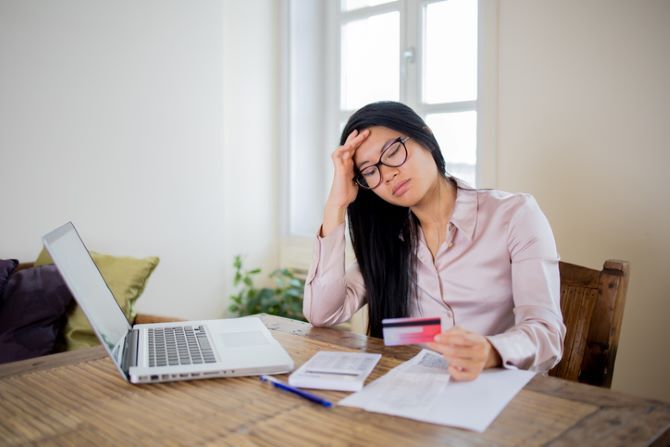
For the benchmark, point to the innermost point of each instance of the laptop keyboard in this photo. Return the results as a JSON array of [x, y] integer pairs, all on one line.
[[182, 345]]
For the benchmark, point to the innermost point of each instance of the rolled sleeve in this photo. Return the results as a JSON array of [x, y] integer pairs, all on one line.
[[332, 294]]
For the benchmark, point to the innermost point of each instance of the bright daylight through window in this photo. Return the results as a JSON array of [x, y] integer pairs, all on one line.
[[420, 52]]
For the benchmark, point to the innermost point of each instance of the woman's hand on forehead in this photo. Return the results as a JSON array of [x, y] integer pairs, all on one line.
[[355, 139]]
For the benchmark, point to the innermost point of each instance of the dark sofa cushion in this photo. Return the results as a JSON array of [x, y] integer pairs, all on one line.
[[32, 313], [7, 266]]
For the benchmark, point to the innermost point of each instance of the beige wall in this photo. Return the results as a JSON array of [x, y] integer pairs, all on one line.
[[153, 126], [584, 125]]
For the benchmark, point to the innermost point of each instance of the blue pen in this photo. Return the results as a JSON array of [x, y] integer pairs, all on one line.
[[309, 396]]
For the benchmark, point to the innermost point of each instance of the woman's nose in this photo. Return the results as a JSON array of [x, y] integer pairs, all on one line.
[[388, 173]]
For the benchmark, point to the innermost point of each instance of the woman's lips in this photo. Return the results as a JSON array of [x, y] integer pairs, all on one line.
[[401, 188]]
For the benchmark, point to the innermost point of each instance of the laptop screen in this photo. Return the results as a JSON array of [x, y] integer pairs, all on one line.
[[87, 285]]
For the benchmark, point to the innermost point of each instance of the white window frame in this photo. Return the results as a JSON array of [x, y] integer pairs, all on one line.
[[295, 250]]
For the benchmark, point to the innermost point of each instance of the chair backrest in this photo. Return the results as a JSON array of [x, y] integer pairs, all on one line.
[[592, 302]]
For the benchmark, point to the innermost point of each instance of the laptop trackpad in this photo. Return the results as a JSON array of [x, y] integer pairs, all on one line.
[[242, 339]]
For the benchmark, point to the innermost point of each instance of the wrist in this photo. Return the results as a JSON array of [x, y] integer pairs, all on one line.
[[494, 360], [332, 218], [335, 212], [338, 204]]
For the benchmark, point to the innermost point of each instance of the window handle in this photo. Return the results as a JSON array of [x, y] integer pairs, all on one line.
[[408, 55]]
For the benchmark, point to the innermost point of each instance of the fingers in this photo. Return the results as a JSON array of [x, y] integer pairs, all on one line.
[[464, 373], [353, 141], [466, 352], [343, 156], [462, 354], [351, 136], [459, 336], [355, 138]]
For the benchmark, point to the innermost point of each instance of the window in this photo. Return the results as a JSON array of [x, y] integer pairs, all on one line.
[[425, 53], [422, 53]]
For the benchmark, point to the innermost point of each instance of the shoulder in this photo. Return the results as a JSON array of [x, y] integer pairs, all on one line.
[[527, 229], [518, 214], [489, 212], [504, 205]]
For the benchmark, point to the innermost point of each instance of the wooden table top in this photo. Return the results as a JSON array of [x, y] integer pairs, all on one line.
[[79, 398]]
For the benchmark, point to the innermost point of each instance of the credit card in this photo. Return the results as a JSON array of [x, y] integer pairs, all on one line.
[[410, 331]]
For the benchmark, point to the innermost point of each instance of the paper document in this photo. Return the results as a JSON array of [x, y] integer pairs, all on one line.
[[331, 370], [420, 389]]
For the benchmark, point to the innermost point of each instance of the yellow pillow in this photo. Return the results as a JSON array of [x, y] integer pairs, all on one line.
[[125, 276]]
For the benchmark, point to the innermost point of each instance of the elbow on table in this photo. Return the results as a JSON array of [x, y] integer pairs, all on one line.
[[318, 319], [314, 315], [316, 322], [327, 310], [315, 318]]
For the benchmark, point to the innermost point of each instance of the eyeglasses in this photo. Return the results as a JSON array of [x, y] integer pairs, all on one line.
[[393, 156]]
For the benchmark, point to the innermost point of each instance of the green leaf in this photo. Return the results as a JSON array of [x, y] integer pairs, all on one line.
[[284, 299], [297, 283], [294, 293]]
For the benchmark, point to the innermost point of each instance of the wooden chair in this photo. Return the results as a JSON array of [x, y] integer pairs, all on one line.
[[592, 302]]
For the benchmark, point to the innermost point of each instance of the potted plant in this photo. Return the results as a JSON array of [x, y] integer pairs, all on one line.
[[284, 300]]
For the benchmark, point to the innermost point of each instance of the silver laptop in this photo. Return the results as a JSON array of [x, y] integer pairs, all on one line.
[[162, 352]]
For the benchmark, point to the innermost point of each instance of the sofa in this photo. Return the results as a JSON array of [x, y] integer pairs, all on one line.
[[39, 316]]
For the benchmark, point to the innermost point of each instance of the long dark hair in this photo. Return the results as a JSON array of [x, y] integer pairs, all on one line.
[[385, 236]]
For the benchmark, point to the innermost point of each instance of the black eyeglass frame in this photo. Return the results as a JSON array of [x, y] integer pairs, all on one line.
[[358, 178]]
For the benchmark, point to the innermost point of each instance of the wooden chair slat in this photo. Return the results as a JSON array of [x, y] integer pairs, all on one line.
[[592, 303]]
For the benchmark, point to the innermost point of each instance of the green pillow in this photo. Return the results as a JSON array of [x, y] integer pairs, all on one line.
[[125, 276]]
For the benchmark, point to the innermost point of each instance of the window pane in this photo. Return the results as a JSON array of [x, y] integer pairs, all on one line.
[[370, 67], [450, 53], [348, 5], [457, 135]]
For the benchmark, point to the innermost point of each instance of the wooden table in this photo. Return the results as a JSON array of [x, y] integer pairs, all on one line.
[[79, 398]]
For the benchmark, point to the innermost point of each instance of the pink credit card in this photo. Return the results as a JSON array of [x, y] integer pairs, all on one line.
[[410, 331]]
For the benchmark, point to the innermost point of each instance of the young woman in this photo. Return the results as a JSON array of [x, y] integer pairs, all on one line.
[[427, 244]]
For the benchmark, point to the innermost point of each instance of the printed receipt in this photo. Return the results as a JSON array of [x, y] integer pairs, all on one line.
[[341, 363], [410, 387], [330, 370], [420, 389]]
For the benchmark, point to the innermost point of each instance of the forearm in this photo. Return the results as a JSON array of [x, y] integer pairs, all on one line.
[[344, 189], [536, 340], [535, 345], [332, 295], [326, 304], [334, 215]]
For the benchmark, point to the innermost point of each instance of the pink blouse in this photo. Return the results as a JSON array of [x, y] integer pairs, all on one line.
[[496, 274]]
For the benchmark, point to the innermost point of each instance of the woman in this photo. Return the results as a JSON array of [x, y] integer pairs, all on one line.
[[428, 245]]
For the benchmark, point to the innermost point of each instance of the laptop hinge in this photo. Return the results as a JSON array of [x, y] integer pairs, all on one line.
[[130, 350]]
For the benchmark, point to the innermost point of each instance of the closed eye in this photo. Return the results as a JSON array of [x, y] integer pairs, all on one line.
[[393, 150], [369, 171]]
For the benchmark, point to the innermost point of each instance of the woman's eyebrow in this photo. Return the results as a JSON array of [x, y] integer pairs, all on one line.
[[386, 145]]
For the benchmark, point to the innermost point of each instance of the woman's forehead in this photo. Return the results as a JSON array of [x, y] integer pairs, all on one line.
[[372, 146]]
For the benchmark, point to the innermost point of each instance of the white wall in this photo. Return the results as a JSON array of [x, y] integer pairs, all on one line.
[[112, 116], [251, 137], [584, 125]]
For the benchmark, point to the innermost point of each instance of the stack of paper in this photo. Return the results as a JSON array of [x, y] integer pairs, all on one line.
[[328, 370], [420, 389]]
